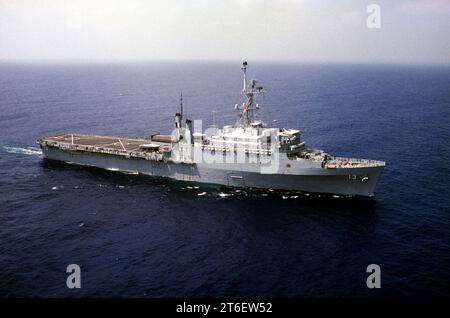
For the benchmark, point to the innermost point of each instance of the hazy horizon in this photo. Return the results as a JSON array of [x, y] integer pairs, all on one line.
[[83, 61], [295, 31]]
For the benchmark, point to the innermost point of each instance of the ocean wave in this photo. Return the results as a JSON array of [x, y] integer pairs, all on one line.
[[30, 151]]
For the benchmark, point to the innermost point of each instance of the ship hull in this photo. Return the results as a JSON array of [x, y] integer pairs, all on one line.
[[340, 181]]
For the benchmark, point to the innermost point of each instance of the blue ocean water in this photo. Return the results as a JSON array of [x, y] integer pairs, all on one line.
[[137, 236]]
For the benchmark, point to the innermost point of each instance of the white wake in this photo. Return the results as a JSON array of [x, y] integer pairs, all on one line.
[[30, 151]]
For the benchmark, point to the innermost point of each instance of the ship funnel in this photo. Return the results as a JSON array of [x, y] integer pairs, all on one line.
[[190, 131], [178, 120]]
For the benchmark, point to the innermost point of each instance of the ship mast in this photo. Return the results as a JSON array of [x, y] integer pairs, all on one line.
[[181, 104], [248, 112]]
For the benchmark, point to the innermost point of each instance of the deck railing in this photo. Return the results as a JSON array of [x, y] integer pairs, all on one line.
[[358, 162]]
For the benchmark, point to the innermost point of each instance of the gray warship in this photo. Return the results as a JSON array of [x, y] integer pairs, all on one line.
[[247, 154]]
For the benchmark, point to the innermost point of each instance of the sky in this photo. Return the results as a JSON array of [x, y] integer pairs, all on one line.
[[410, 31]]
